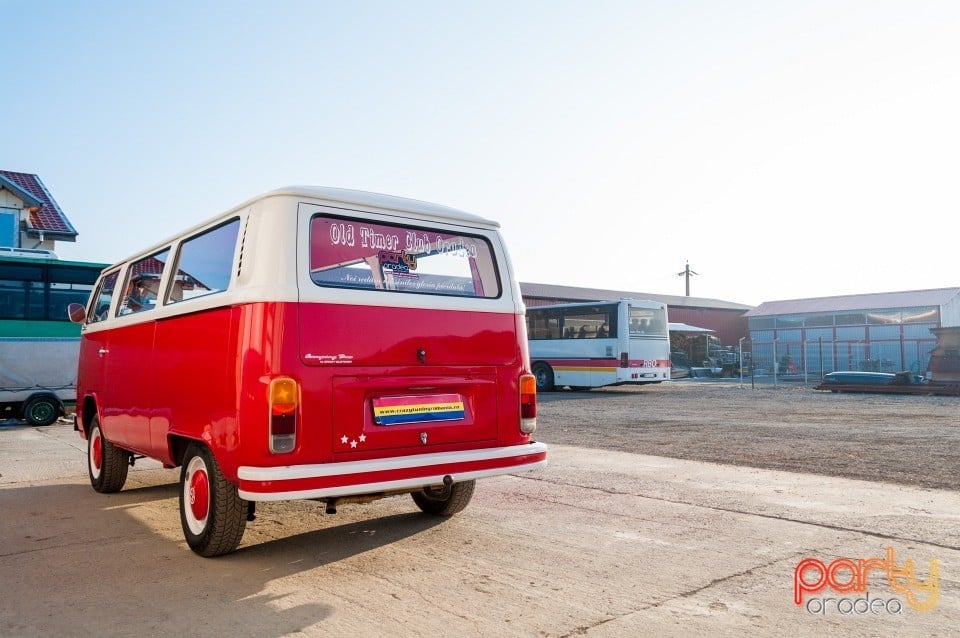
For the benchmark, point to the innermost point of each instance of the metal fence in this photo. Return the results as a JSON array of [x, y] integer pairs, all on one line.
[[813, 359]]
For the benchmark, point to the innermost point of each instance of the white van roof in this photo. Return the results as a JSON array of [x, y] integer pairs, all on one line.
[[376, 200]]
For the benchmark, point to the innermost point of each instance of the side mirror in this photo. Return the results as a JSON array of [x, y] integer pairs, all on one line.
[[76, 312]]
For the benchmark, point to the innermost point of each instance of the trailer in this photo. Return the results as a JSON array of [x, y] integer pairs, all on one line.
[[38, 378]]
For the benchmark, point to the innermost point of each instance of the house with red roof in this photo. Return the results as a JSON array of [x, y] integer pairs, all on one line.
[[30, 217]]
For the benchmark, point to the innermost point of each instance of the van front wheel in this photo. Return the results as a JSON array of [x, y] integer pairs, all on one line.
[[212, 514], [440, 504], [106, 463]]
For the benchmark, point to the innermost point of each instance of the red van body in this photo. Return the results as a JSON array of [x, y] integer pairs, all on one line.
[[311, 343]]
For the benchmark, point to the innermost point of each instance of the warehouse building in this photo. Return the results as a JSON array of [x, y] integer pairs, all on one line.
[[881, 332]]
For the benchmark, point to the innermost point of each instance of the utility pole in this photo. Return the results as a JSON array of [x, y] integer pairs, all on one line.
[[686, 273]]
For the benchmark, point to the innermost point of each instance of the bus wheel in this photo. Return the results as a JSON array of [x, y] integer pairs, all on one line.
[[41, 411], [543, 373], [106, 463], [212, 513], [456, 501]]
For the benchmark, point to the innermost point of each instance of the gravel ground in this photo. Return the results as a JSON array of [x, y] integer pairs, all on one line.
[[911, 440]]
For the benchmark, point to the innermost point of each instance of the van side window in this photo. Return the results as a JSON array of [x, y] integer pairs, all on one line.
[[143, 283], [101, 300], [350, 253], [205, 263]]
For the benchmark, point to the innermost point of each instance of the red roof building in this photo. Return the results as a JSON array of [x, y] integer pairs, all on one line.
[[30, 217]]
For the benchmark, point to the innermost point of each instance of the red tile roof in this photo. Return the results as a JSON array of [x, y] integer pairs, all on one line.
[[49, 218]]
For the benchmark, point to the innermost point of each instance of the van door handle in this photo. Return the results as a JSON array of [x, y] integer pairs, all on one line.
[[102, 351]]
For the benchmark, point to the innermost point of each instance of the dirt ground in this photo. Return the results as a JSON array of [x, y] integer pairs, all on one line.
[[602, 542], [911, 440]]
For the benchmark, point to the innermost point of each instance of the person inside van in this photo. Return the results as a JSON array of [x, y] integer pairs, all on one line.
[[139, 298]]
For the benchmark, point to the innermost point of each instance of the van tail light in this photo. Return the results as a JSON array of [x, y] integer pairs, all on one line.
[[624, 360], [528, 404], [284, 414]]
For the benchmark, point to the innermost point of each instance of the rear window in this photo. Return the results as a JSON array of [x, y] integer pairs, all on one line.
[[350, 253], [646, 322]]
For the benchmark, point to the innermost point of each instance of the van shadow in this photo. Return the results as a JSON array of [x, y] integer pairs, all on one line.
[[108, 565]]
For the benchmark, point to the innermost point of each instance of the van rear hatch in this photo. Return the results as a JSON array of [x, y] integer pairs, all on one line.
[[423, 338], [409, 378]]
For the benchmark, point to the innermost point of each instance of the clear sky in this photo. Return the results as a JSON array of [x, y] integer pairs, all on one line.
[[786, 149]]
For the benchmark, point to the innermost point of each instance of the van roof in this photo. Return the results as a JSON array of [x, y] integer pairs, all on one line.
[[376, 200], [342, 196]]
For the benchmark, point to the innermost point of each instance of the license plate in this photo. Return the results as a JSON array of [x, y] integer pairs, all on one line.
[[418, 409]]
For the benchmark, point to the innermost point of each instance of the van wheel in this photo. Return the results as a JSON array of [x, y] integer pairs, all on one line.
[[106, 463], [543, 373], [456, 501], [212, 513], [41, 411]]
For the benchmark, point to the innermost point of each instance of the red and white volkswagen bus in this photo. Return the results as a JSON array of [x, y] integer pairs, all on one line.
[[311, 343]]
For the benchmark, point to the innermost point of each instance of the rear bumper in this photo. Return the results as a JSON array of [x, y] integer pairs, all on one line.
[[412, 472]]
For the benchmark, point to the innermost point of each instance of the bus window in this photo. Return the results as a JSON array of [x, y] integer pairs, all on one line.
[[647, 322], [21, 288], [68, 284], [597, 322], [541, 325]]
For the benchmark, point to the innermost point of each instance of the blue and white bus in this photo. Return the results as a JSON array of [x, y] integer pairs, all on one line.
[[590, 345], [39, 345]]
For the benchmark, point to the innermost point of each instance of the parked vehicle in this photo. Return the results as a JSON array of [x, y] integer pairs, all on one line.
[[311, 343], [38, 344], [872, 378], [905, 382], [597, 344]]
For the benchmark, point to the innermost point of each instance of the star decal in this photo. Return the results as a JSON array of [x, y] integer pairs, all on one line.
[[363, 437], [353, 444], [343, 439]]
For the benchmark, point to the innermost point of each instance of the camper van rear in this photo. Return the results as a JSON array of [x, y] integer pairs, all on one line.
[[310, 344]]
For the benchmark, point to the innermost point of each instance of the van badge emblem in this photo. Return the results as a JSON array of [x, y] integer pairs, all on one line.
[[336, 359], [423, 438]]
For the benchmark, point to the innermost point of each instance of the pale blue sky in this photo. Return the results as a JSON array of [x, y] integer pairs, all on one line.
[[786, 149]]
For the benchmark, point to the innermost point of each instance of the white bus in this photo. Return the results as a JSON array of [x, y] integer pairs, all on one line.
[[590, 345]]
